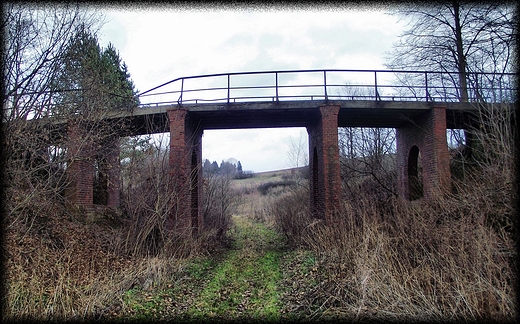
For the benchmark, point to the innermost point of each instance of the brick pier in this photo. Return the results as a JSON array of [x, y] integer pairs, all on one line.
[[324, 166], [423, 162], [86, 164], [185, 172], [422, 153]]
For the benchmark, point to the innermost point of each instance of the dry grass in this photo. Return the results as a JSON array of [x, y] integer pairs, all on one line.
[[450, 258], [62, 270], [71, 271], [439, 260], [59, 268]]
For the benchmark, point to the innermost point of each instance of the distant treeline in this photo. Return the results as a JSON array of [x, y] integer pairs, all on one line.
[[229, 168]]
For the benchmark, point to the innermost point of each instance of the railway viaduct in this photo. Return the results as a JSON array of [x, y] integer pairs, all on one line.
[[420, 122]]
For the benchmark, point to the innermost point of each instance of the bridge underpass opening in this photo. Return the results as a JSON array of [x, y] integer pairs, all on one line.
[[315, 176], [257, 149], [268, 158], [194, 184], [100, 182]]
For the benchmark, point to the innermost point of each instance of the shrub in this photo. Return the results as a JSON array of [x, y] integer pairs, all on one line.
[[220, 202], [264, 188], [291, 214]]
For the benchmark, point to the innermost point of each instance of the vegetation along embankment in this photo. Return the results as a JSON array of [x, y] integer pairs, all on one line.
[[261, 255]]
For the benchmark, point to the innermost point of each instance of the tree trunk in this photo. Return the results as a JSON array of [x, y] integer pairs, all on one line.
[[461, 58]]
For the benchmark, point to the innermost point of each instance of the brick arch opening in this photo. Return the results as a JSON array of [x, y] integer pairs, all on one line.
[[100, 181], [415, 182]]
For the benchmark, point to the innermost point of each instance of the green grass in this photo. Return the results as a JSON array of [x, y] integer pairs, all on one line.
[[169, 299], [244, 283], [199, 267]]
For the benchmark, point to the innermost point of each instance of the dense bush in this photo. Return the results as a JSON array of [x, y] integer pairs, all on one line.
[[220, 202], [264, 188]]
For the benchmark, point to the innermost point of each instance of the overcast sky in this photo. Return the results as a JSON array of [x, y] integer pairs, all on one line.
[[160, 44]]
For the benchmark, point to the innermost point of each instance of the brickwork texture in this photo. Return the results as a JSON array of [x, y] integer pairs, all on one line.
[[428, 134], [324, 163]]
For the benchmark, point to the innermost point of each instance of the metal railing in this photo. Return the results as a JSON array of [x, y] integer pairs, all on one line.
[[332, 84]]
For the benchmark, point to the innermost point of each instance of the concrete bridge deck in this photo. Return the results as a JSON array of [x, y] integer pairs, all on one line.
[[358, 113]]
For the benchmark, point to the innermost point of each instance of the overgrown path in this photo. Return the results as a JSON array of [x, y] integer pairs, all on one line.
[[245, 283]]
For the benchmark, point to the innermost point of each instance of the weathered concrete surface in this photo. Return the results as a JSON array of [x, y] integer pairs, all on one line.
[[352, 113]]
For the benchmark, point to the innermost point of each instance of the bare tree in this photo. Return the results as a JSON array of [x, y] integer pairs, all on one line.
[[54, 67], [298, 157], [366, 153], [148, 201], [472, 44], [298, 151], [461, 37], [35, 42], [36, 39]]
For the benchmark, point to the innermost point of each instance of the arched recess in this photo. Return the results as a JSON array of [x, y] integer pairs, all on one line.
[[415, 183], [100, 181], [194, 193]]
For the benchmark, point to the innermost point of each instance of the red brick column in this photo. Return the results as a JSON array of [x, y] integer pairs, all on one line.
[[324, 163], [185, 173], [428, 134], [80, 169]]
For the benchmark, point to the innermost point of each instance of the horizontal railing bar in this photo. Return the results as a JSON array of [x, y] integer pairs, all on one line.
[[400, 96], [162, 93], [310, 97], [319, 71], [307, 86], [425, 88]]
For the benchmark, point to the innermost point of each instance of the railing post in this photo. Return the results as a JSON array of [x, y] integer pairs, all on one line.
[[426, 86], [276, 77], [228, 88], [179, 101], [325, 84], [375, 84]]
